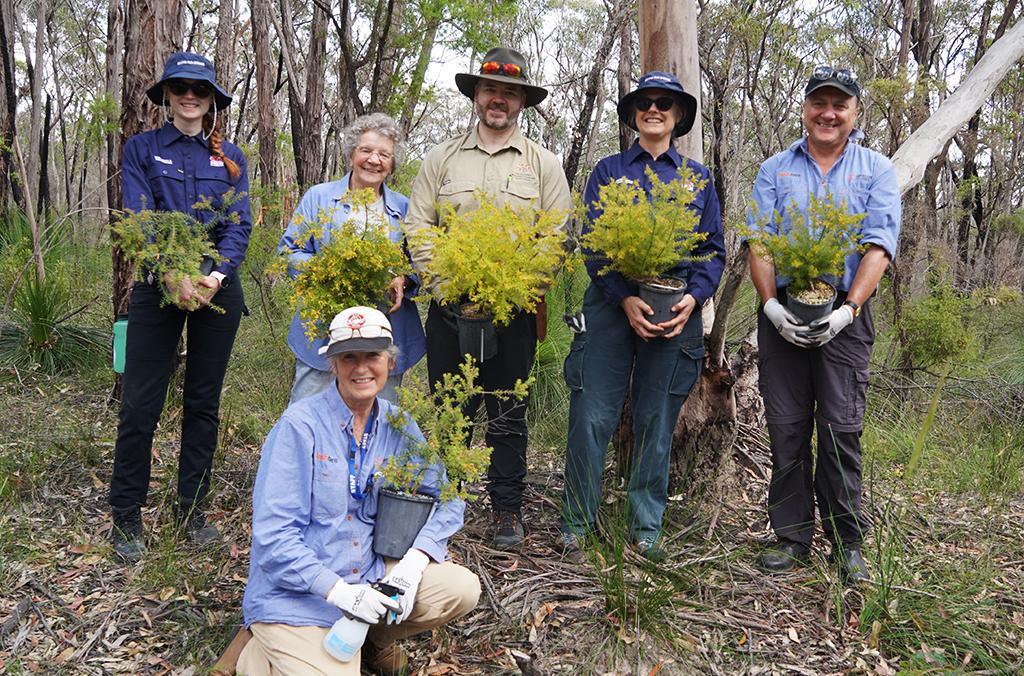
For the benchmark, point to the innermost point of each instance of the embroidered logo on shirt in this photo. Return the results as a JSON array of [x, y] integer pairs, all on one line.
[[216, 161], [162, 160]]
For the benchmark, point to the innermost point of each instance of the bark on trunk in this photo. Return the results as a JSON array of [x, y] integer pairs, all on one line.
[[8, 183], [624, 76], [266, 119], [224, 51], [312, 109]]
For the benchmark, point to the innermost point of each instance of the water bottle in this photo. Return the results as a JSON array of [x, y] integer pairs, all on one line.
[[120, 341], [346, 637]]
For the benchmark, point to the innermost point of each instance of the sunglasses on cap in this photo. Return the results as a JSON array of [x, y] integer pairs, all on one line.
[[369, 330], [181, 87], [495, 68], [663, 103], [842, 75]]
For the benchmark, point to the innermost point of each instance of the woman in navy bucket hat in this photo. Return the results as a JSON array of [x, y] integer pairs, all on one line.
[[172, 168], [617, 347]]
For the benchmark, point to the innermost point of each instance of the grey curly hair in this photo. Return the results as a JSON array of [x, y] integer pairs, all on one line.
[[377, 122]]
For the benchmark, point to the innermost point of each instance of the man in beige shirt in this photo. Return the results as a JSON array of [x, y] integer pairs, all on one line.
[[495, 157]]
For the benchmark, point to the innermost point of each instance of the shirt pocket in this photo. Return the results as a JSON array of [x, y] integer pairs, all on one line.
[[330, 490], [459, 194], [212, 182], [522, 192], [167, 184]]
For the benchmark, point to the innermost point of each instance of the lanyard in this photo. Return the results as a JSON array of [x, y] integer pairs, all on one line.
[[353, 486]]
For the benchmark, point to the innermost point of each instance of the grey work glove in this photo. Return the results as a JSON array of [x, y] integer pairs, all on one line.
[[825, 329], [361, 601], [788, 326]]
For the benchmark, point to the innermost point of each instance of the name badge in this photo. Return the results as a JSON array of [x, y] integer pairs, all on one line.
[[162, 160], [216, 161]]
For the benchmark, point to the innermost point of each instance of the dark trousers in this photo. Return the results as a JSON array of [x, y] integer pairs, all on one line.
[[153, 334], [827, 387], [506, 420]]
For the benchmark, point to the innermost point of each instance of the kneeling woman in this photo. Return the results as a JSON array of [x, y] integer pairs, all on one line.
[[314, 510], [620, 348]]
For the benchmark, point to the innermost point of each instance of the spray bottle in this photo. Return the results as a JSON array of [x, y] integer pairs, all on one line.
[[347, 635]]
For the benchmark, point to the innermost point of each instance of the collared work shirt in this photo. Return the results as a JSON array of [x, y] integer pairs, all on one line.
[[702, 276], [520, 174], [165, 170], [308, 531], [862, 177], [324, 206]]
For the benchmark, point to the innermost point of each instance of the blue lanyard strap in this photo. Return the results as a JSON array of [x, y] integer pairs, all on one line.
[[353, 485]]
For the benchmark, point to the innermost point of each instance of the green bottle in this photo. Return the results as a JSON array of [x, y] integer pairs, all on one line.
[[120, 341]]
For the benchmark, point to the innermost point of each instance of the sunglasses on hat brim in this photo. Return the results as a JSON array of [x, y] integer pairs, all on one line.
[[842, 75]]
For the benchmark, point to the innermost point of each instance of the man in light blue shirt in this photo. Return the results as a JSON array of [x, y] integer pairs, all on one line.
[[819, 373]]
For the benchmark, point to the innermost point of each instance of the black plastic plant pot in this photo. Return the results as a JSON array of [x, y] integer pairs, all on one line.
[[477, 337], [661, 295], [400, 516], [810, 312]]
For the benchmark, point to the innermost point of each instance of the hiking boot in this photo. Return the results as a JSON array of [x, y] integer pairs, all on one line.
[[390, 660], [783, 556], [127, 535], [192, 520], [572, 547], [649, 548], [508, 532], [852, 566]]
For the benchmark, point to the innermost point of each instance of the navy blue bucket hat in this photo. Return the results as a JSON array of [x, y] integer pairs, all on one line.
[[188, 66], [657, 79]]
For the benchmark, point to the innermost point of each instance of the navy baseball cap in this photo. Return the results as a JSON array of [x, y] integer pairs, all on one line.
[[843, 79], [657, 79], [188, 66]]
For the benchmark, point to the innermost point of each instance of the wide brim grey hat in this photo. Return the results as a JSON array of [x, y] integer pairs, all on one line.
[[358, 329], [188, 66], [657, 79], [501, 58]]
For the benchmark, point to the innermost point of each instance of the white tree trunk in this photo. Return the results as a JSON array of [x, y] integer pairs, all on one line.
[[928, 140]]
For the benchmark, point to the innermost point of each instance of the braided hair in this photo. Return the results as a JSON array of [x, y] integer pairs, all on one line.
[[212, 126]]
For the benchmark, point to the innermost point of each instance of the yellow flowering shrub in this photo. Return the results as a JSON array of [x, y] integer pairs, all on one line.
[[446, 431], [162, 242], [495, 258], [353, 268], [817, 245], [644, 237]]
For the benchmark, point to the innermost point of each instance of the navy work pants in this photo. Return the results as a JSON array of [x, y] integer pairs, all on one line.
[[506, 419], [598, 372], [824, 386], [153, 334]]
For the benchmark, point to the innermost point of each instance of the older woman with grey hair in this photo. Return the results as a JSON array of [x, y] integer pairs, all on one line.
[[373, 148]]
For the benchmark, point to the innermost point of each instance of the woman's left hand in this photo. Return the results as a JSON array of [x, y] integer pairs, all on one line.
[[396, 292], [205, 289], [683, 310]]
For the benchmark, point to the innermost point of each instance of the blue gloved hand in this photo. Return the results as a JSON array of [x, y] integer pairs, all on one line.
[[825, 329]]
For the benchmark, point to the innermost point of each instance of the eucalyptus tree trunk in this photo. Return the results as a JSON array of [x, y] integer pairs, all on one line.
[[224, 51], [266, 118], [10, 187], [313, 106]]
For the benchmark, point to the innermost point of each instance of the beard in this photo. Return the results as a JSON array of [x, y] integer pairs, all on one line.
[[509, 120]]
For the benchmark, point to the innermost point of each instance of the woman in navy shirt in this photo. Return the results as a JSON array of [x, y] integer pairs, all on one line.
[[172, 168], [619, 348]]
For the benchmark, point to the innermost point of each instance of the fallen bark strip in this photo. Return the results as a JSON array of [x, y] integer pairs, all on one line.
[[19, 613]]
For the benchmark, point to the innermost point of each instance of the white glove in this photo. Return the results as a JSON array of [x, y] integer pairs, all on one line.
[[788, 326], [361, 601], [825, 329], [406, 575]]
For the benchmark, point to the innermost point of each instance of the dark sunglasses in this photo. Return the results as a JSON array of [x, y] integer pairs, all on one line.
[[180, 88], [842, 75], [663, 103]]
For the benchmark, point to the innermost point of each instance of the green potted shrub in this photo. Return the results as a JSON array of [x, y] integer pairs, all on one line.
[[643, 237], [401, 511], [353, 268], [815, 248], [488, 261], [162, 242]]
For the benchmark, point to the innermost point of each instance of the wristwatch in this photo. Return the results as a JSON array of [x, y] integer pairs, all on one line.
[[854, 307]]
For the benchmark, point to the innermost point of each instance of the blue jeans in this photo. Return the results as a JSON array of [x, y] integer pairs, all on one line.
[[598, 371], [310, 381]]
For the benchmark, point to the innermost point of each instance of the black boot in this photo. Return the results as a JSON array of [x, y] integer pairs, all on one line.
[[508, 530], [192, 521], [852, 566], [127, 535], [783, 556]]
